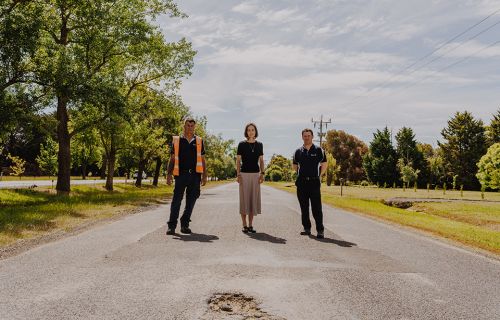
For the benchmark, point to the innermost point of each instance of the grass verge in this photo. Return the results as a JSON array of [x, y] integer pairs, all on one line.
[[26, 213], [472, 224]]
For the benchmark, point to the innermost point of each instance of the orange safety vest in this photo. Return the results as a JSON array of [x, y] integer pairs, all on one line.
[[199, 162]]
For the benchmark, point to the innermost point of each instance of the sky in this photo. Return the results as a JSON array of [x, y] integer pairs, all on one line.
[[361, 64]]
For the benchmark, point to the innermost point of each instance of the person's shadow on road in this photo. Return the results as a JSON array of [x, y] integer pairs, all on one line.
[[340, 243], [262, 236], [199, 237]]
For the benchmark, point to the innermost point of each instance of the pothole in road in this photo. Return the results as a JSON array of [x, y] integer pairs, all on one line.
[[236, 306]]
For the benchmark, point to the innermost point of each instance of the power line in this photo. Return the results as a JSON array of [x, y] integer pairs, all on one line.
[[437, 71], [456, 47], [390, 79]]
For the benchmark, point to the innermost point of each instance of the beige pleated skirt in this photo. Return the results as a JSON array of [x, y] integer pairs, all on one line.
[[250, 193]]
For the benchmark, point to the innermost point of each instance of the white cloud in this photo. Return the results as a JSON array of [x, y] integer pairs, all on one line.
[[293, 56], [273, 54], [208, 30], [286, 15], [402, 32], [471, 48], [279, 63], [322, 81], [246, 7], [355, 24]]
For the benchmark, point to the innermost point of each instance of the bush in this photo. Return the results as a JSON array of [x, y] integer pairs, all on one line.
[[489, 168], [364, 183], [276, 175]]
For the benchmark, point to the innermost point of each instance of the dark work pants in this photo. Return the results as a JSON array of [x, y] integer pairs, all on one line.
[[190, 184], [309, 191]]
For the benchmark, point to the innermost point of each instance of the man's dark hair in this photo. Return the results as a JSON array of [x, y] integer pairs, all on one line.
[[255, 127], [307, 130]]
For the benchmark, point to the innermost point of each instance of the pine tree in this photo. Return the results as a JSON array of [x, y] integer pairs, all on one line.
[[494, 129], [380, 162], [465, 144], [407, 149]]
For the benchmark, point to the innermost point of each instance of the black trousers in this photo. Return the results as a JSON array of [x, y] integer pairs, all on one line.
[[309, 191], [188, 183]]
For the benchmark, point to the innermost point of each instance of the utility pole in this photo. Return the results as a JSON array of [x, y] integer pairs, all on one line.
[[321, 123]]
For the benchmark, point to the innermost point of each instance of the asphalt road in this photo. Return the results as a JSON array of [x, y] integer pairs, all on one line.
[[364, 269]]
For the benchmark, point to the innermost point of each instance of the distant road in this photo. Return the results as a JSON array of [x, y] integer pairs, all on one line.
[[46, 183], [362, 270]]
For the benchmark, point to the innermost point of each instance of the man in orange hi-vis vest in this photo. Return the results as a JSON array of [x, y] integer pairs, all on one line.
[[187, 165]]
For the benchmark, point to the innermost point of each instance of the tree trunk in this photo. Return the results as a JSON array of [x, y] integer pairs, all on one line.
[[63, 186], [104, 165], [142, 164], [84, 171], [157, 172], [111, 159]]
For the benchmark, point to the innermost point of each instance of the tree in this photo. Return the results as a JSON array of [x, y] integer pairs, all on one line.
[[493, 132], [332, 170], [279, 168], [348, 152], [146, 138], [142, 79], [47, 159], [437, 168], [17, 166], [407, 150], [407, 172], [220, 155], [85, 45], [464, 145], [20, 28], [489, 168], [86, 150], [19, 38], [380, 162], [25, 137], [426, 149]]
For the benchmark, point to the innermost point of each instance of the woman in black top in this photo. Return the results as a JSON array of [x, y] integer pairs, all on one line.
[[250, 170]]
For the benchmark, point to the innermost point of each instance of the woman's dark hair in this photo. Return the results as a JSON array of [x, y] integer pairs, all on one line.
[[255, 127]]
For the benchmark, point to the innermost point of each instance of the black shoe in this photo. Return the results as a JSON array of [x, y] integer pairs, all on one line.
[[305, 233], [170, 231], [321, 235], [245, 229], [186, 230], [251, 229]]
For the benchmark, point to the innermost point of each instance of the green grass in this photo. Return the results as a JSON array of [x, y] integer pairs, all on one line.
[[381, 193], [475, 224], [479, 214], [29, 178], [26, 213]]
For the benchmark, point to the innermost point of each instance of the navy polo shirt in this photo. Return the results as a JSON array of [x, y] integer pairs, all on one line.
[[309, 161], [187, 153]]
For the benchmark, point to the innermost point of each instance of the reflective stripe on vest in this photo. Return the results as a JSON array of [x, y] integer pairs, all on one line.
[[199, 162], [176, 155]]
